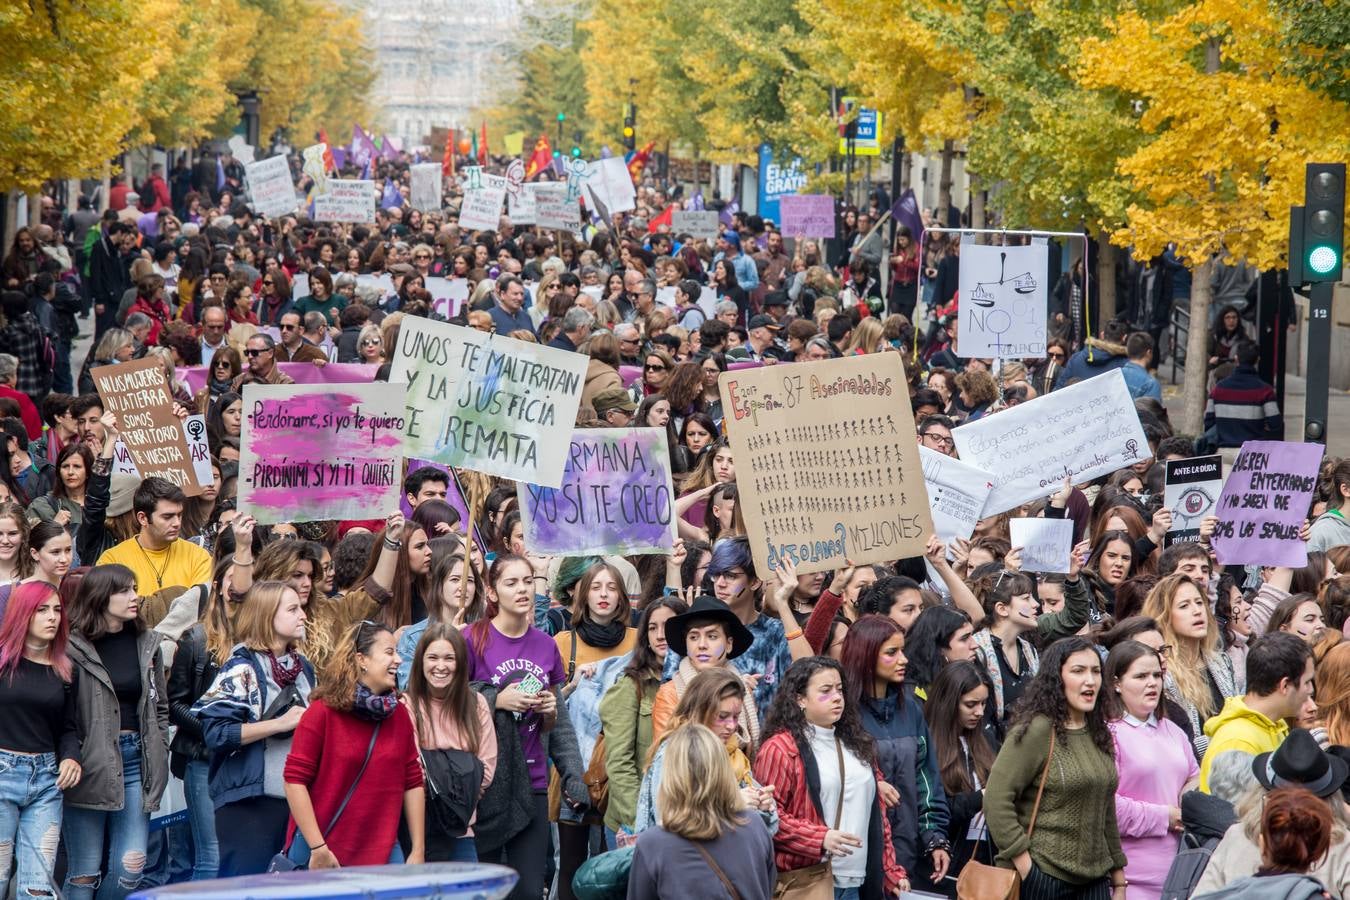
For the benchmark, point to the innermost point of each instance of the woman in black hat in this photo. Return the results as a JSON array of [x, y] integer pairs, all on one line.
[[1298, 762], [707, 636]]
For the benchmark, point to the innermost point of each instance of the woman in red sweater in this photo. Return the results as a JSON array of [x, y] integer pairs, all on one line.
[[822, 765], [353, 706]]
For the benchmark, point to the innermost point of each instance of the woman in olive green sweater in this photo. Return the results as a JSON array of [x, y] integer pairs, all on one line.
[[1073, 852], [626, 714]]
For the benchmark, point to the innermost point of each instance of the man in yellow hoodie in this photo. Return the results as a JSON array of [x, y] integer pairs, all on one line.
[[1279, 683]]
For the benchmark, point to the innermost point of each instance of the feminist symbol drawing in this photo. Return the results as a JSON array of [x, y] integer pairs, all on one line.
[[1003, 311]]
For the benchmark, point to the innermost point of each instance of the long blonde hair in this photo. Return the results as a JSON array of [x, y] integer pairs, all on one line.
[[698, 797], [1190, 659]]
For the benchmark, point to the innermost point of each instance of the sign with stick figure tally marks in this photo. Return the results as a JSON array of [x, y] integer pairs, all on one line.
[[1002, 295]]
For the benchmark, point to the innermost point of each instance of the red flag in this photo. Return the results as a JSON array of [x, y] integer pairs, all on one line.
[[541, 159], [664, 220], [329, 164], [482, 147], [448, 160], [639, 161]]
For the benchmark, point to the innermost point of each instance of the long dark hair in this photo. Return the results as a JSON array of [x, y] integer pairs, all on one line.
[[786, 715], [931, 633], [943, 714], [475, 601], [398, 611], [644, 664], [459, 706], [59, 485], [91, 600], [1044, 696], [862, 644]]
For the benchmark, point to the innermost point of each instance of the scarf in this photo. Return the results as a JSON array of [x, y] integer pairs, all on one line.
[[286, 669], [748, 729], [219, 387], [603, 637], [371, 706]]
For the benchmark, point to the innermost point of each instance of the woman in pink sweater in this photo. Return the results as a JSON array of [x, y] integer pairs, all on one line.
[[453, 721], [1156, 766]]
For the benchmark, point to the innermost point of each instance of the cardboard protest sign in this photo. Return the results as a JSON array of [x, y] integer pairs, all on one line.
[[425, 193], [553, 207], [807, 215], [1080, 432], [826, 461], [697, 223], [487, 402], [616, 497], [1191, 493], [317, 452], [447, 294], [1264, 502], [957, 492], [1003, 301], [481, 209], [138, 393], [271, 191], [347, 200], [1045, 543], [199, 449]]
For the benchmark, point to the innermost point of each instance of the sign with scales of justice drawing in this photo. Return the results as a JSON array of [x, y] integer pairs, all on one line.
[[1002, 309]]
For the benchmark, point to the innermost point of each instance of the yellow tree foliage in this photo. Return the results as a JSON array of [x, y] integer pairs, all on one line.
[[71, 75], [1226, 141]]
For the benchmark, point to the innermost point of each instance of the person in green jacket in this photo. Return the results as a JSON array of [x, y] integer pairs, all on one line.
[[1059, 739], [1279, 683], [626, 716]]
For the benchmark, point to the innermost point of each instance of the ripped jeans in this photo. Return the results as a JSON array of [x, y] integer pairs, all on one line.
[[127, 830], [30, 818]]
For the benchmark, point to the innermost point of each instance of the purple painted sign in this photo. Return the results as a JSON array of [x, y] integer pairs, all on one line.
[[312, 452], [300, 373], [1264, 503], [615, 498], [807, 215]]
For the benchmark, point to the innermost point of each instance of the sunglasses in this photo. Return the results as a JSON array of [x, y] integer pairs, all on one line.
[[660, 368], [371, 342], [252, 353], [269, 283], [1055, 354], [288, 327]]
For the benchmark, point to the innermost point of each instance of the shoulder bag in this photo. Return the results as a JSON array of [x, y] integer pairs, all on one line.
[[984, 882], [814, 882], [282, 862], [717, 870]]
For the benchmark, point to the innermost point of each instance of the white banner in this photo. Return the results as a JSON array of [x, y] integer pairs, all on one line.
[[1079, 432], [447, 294], [1002, 313], [697, 223], [482, 208], [553, 208], [346, 201], [1045, 543], [270, 188], [521, 206], [426, 187], [609, 185]]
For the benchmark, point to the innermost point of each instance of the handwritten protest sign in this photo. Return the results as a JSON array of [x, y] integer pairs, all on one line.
[[270, 189], [1045, 543], [139, 394], [1264, 503], [199, 452], [1003, 301], [487, 402], [346, 201], [1191, 493], [425, 192], [697, 223], [553, 207], [807, 215], [317, 452], [447, 294], [315, 167], [1079, 432], [521, 206], [481, 209], [609, 186], [826, 461], [616, 497], [957, 492]]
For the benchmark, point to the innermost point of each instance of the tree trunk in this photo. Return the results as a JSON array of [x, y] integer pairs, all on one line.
[[1196, 387], [945, 184], [35, 209], [977, 207], [11, 216], [1106, 279]]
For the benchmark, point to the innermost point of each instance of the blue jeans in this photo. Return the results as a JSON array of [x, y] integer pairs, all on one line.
[[202, 821], [30, 815], [298, 852], [848, 893], [127, 831]]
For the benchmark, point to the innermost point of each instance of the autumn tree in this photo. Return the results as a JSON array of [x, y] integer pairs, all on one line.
[[545, 57], [1227, 130]]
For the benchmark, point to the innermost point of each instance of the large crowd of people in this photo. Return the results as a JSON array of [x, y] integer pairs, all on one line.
[[420, 688]]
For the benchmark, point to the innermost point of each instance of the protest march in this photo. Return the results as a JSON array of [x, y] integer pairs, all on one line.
[[539, 512]]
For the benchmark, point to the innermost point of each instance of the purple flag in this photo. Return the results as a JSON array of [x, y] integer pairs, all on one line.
[[905, 210], [363, 148], [339, 157], [220, 174], [392, 198], [727, 212], [696, 203], [387, 151]]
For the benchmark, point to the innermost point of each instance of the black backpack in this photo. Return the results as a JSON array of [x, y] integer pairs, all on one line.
[[1187, 868]]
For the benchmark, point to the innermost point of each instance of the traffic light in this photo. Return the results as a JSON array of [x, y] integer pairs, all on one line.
[[576, 152], [630, 126], [1323, 250], [562, 117]]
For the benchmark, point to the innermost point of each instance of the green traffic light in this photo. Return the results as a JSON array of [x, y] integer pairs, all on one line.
[[562, 117], [1322, 260], [576, 152], [557, 153]]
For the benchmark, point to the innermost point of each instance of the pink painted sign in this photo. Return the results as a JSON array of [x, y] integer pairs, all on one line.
[[318, 452]]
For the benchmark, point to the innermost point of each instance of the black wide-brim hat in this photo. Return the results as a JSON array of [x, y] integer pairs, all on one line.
[[1300, 762], [708, 608]]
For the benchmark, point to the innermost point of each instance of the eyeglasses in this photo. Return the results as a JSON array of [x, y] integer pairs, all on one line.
[[943, 440], [1165, 651]]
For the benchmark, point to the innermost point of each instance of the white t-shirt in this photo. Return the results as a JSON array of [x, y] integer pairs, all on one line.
[[860, 790]]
